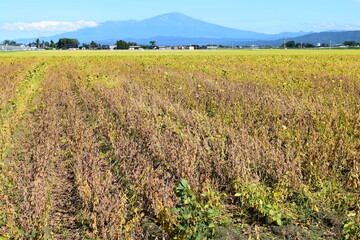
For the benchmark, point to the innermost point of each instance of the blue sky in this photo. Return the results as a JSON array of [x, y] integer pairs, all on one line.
[[24, 18]]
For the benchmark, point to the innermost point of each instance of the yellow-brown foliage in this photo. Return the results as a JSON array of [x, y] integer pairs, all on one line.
[[93, 146]]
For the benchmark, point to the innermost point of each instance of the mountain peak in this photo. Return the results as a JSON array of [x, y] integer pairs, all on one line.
[[174, 14], [173, 25], [170, 17]]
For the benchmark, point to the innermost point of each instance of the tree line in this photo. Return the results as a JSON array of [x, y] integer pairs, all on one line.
[[121, 44], [66, 43], [62, 43], [293, 44], [351, 43]]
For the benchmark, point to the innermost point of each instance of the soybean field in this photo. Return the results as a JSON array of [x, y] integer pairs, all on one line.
[[180, 145]]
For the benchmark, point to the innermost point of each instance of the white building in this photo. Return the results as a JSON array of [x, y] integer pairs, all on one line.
[[212, 47], [16, 48], [134, 48]]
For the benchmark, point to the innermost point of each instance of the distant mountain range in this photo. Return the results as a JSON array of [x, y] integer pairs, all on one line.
[[179, 29], [336, 37]]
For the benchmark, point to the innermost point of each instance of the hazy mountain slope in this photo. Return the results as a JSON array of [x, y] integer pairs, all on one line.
[[336, 37], [177, 29], [170, 25], [326, 37]]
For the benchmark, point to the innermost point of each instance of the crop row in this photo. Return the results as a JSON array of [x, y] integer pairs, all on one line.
[[94, 146]]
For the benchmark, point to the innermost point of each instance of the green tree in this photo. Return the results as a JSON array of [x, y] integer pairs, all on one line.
[[9, 42], [350, 43], [290, 44], [37, 42], [86, 46], [65, 43], [121, 44], [152, 43], [132, 44], [52, 44], [94, 45]]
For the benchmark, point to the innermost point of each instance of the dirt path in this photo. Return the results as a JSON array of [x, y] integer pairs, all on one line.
[[64, 202], [64, 198], [84, 201]]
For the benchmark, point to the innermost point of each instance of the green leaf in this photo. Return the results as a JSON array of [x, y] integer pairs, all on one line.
[[33, 234], [279, 222], [184, 183], [183, 228], [175, 210]]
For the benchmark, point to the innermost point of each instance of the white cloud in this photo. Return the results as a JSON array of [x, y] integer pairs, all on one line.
[[336, 26], [356, 26], [48, 26]]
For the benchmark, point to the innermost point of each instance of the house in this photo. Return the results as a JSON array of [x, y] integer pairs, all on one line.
[[162, 48], [134, 48], [103, 47], [211, 47], [18, 47], [71, 47]]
